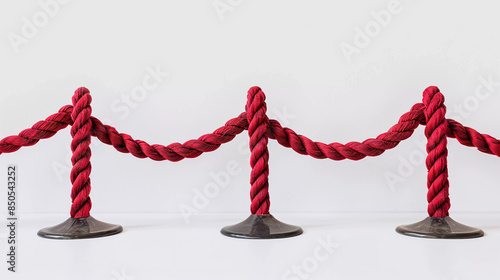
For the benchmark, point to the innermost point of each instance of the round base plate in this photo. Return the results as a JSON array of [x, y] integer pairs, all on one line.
[[442, 228], [80, 228], [261, 227]]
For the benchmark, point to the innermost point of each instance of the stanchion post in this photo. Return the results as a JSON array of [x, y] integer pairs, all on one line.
[[439, 224], [261, 224], [81, 225]]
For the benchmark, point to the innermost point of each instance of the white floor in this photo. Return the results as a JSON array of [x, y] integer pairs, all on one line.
[[333, 246]]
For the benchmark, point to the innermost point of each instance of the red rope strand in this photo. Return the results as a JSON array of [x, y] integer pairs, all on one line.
[[471, 138], [40, 130], [285, 136], [352, 150], [174, 152]]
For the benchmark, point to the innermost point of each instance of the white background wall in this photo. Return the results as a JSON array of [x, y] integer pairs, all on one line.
[[292, 49]]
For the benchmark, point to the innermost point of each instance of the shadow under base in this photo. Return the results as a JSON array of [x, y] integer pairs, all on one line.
[[261, 227], [440, 228], [80, 228]]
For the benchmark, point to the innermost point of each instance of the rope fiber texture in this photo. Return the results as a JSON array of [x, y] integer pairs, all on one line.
[[80, 146], [436, 162], [258, 126]]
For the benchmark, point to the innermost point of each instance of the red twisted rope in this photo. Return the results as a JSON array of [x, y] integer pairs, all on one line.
[[40, 130], [258, 126], [352, 150], [175, 151], [285, 136], [124, 142], [435, 131], [80, 174], [471, 138]]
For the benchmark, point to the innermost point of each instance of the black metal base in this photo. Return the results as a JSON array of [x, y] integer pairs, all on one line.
[[80, 228], [261, 227], [442, 228]]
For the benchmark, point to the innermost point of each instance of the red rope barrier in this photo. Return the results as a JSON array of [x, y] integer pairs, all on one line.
[[285, 136], [80, 146], [430, 113]]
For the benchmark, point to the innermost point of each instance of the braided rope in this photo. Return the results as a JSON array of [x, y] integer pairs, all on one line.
[[258, 125], [80, 146], [436, 162]]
